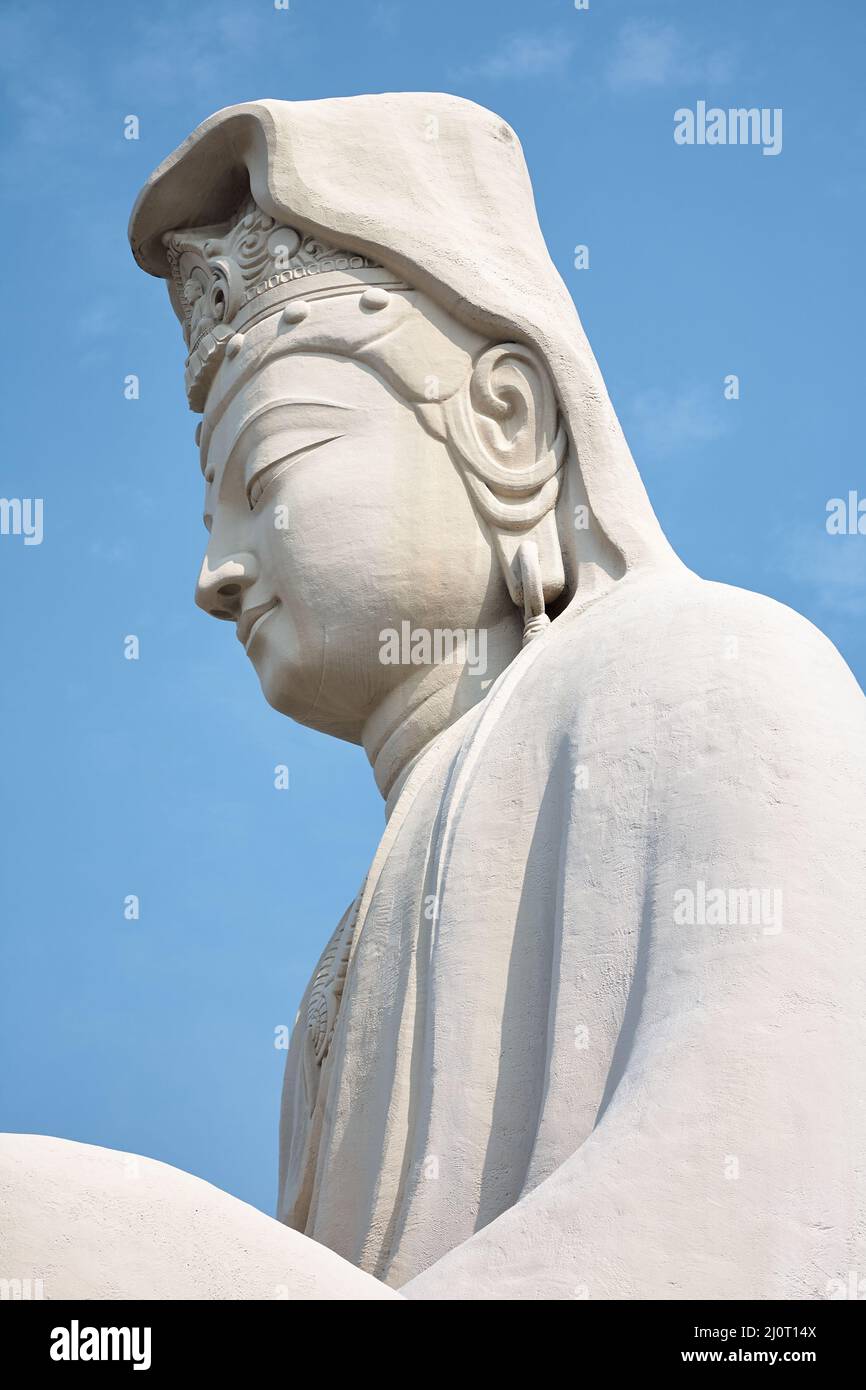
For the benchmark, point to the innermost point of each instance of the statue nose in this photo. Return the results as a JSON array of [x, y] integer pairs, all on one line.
[[220, 591]]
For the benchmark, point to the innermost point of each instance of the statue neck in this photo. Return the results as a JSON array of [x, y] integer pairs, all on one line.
[[429, 700]]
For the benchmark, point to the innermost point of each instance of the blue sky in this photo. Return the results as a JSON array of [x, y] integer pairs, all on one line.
[[155, 777]]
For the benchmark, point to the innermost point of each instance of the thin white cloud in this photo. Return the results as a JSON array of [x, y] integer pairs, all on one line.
[[173, 58], [185, 53], [46, 99], [663, 423], [99, 320], [385, 17], [650, 53], [522, 55], [832, 567]]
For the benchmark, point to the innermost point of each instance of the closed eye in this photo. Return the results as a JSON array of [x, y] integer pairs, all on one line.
[[264, 477]]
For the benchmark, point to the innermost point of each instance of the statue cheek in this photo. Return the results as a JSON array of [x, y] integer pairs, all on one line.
[[282, 549]]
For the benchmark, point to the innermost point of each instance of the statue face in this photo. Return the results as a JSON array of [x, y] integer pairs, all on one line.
[[334, 516]]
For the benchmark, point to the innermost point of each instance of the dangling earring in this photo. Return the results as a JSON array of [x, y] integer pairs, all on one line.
[[535, 620]]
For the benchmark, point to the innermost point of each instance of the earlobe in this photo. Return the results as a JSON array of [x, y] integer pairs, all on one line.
[[535, 620], [505, 428]]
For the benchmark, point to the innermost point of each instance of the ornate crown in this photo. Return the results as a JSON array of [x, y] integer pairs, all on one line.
[[226, 277]]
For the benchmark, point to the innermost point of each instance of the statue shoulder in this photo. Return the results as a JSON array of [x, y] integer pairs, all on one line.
[[689, 639], [762, 652]]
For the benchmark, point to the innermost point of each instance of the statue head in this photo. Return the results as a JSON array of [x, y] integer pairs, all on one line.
[[381, 443]]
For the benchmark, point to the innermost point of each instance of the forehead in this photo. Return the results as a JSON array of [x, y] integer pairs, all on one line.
[[302, 391]]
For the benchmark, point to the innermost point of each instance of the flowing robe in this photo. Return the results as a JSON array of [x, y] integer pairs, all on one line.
[[521, 1071]]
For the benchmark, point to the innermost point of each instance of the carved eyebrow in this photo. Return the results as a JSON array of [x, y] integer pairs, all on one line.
[[277, 465], [286, 402]]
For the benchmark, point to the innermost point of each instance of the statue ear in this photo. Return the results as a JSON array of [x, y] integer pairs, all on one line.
[[505, 426]]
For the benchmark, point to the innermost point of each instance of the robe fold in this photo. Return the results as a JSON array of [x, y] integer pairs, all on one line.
[[543, 1079]]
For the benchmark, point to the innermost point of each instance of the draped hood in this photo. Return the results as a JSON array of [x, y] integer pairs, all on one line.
[[436, 188]]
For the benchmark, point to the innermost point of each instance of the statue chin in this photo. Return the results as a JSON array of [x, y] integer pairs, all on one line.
[[289, 679], [294, 680]]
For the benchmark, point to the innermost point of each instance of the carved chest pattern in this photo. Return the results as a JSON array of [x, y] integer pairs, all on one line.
[[327, 990]]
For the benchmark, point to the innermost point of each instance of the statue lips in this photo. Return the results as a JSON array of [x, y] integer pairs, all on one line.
[[251, 620]]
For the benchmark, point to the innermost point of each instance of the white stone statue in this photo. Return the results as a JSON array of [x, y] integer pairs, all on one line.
[[594, 1025]]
